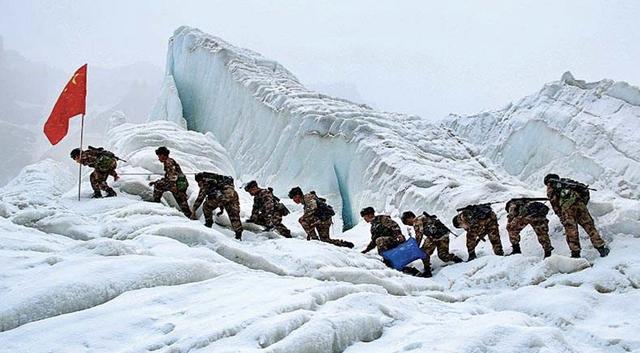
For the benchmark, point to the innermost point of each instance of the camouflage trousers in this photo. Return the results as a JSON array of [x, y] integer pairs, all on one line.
[[540, 226], [429, 245], [485, 227], [386, 243], [276, 221], [320, 229], [161, 186], [98, 181], [229, 201], [578, 214]]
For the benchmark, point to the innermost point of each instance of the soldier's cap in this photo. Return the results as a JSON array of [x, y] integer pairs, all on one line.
[[550, 177], [199, 176], [296, 191], [367, 211], [406, 216], [456, 221], [75, 153], [162, 151], [250, 185]]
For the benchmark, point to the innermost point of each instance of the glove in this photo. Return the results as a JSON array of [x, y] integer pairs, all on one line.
[[116, 177], [152, 183]]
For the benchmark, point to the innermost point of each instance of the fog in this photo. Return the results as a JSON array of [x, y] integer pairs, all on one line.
[[416, 57]]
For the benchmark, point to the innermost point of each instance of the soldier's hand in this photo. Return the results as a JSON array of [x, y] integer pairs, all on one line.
[[152, 183], [116, 177]]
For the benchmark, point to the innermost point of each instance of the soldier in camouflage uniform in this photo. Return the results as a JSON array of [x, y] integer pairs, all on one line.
[[219, 193], [316, 220], [267, 209], [479, 221], [569, 201], [435, 235], [522, 213], [104, 163], [174, 180], [385, 232]]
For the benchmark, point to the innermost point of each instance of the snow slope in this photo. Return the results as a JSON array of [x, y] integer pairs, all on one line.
[[122, 274]]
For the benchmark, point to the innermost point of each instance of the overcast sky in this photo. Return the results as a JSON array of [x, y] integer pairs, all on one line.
[[419, 57]]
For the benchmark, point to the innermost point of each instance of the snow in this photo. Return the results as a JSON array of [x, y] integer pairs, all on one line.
[[124, 274]]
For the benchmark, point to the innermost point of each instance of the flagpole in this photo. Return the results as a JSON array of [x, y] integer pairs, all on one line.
[[80, 164]]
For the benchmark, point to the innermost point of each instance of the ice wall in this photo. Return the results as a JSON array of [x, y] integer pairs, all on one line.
[[571, 127], [283, 134]]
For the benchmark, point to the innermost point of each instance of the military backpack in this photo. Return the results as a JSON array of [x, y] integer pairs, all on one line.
[[435, 229], [324, 211], [105, 160]]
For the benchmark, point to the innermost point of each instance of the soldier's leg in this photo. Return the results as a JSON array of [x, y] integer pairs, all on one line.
[[309, 228], [442, 245], [159, 188], [183, 202], [514, 227], [208, 207], [276, 219], [232, 206], [541, 227], [94, 178], [586, 221], [568, 220], [472, 242], [493, 233], [105, 186]]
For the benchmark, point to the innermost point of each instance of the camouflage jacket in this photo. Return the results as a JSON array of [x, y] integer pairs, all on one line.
[[207, 188], [310, 204], [171, 170], [384, 226], [474, 225], [264, 204], [427, 227], [90, 157], [554, 199]]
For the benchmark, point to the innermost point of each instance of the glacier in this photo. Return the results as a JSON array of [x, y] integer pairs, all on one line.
[[126, 275]]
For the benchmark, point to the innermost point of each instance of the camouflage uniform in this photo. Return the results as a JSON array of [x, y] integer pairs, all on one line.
[[224, 197], [426, 227], [519, 217], [99, 175], [478, 228], [169, 183], [314, 226], [385, 234], [266, 212], [571, 215]]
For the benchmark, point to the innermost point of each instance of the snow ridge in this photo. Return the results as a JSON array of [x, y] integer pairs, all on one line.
[[283, 134]]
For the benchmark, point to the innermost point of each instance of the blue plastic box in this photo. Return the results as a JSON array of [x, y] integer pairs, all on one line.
[[403, 254]]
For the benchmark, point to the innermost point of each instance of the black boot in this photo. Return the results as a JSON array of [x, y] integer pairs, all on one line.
[[427, 273], [547, 252], [111, 193], [455, 259], [575, 254], [208, 223], [500, 252], [286, 234], [603, 250], [97, 195], [472, 256], [516, 249], [239, 235]]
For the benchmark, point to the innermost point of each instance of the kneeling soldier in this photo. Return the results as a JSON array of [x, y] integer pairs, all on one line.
[[569, 200], [435, 235], [523, 212], [316, 220], [479, 221], [174, 180], [220, 193], [103, 162], [267, 209]]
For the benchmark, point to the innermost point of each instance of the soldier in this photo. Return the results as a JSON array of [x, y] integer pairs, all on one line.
[[569, 200], [523, 212], [174, 180], [435, 234], [103, 162], [220, 193], [267, 209], [479, 221], [385, 232], [316, 220]]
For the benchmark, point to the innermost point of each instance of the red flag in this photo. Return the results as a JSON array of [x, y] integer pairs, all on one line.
[[72, 102]]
